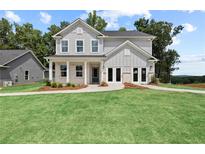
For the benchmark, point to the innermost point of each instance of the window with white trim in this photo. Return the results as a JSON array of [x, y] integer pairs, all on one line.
[[26, 75], [94, 44], [63, 69], [79, 70], [64, 46], [79, 46]]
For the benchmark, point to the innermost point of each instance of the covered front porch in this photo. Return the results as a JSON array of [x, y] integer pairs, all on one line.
[[76, 71]]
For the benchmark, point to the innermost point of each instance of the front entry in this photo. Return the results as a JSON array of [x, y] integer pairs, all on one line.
[[95, 75]]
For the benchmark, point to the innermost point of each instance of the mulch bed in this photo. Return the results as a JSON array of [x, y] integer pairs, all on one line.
[[133, 86], [194, 85], [48, 88]]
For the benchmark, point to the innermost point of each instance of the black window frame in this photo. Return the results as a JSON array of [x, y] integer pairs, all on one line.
[[110, 76], [135, 74], [143, 76], [79, 71], [26, 75], [63, 71]]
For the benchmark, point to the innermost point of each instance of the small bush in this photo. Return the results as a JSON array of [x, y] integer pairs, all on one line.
[[60, 85], [103, 84], [73, 85], [54, 85], [155, 80], [48, 83], [68, 84]]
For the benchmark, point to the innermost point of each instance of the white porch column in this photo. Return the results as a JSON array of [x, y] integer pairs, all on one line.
[[85, 72], [101, 70], [68, 73], [50, 70]]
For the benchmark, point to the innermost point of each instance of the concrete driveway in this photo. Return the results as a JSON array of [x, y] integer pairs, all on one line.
[[174, 89]]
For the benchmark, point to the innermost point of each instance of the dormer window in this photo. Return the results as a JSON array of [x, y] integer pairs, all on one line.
[[79, 30], [79, 46], [64, 46], [94, 44]]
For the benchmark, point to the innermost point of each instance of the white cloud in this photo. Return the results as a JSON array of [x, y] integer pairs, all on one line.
[[45, 17], [176, 41], [112, 17], [189, 27], [193, 58], [12, 17]]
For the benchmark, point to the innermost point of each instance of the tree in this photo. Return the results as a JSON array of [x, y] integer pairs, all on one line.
[[64, 24], [164, 32], [29, 38], [7, 40], [122, 29], [96, 21]]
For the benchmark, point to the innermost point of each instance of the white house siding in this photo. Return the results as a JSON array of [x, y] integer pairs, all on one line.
[[71, 35], [127, 63], [112, 43]]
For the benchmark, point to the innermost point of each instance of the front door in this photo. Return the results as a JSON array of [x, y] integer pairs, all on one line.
[[95, 75]]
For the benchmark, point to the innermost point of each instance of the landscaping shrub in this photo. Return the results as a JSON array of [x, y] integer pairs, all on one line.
[[103, 84], [154, 80], [54, 85], [60, 85], [68, 84], [73, 85], [48, 83]]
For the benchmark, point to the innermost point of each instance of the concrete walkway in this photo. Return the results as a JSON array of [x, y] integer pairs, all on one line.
[[174, 89], [90, 88]]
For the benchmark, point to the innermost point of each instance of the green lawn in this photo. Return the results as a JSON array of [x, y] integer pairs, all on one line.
[[179, 86], [22, 88], [125, 116]]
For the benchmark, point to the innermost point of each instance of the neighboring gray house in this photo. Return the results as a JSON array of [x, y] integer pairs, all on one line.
[[87, 56], [20, 67]]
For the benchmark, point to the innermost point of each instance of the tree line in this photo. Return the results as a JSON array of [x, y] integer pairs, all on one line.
[[25, 36]]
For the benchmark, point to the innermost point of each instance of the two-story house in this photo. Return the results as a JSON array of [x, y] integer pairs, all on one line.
[[87, 56]]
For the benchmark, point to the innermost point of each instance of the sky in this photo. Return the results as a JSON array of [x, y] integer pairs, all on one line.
[[190, 44]]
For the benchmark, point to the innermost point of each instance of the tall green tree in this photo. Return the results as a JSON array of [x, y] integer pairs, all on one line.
[[7, 40], [122, 29], [96, 21], [29, 38], [164, 32]]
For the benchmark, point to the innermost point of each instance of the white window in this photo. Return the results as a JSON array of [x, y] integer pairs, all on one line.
[[79, 46], [79, 30], [63, 69], [94, 44], [26, 75], [64, 46], [127, 52], [79, 70]]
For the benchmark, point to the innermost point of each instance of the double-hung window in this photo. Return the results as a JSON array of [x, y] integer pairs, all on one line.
[[26, 75], [63, 69], [79, 46], [94, 44], [79, 70], [64, 45]]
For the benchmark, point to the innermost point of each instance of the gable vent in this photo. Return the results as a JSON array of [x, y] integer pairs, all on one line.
[[79, 30], [127, 52]]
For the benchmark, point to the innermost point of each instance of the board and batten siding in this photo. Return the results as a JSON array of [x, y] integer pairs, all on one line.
[[71, 35]]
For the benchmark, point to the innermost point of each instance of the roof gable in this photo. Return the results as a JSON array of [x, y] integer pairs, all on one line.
[[76, 22], [142, 51], [7, 56]]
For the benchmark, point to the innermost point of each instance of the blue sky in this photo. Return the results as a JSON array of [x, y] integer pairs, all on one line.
[[190, 44]]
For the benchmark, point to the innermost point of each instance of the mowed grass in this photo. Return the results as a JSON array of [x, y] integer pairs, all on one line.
[[22, 88], [181, 86], [125, 116]]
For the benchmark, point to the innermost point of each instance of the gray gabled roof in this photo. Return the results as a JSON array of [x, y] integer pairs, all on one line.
[[8, 55], [125, 33]]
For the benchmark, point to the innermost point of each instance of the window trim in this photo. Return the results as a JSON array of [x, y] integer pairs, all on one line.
[[27, 75], [76, 46], [146, 75], [65, 71], [78, 71], [138, 74], [91, 47], [61, 46]]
